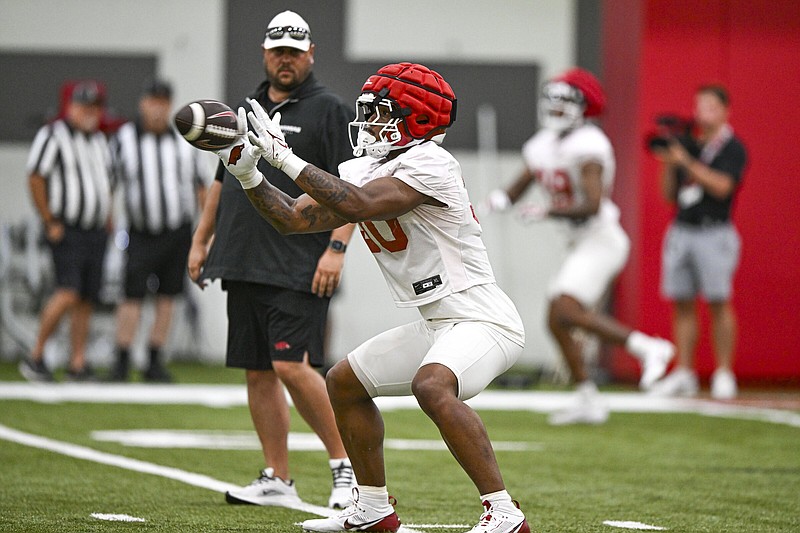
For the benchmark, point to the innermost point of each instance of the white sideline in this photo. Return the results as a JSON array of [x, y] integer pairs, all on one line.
[[223, 396]]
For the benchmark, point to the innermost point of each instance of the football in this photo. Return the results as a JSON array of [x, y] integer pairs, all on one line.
[[208, 124]]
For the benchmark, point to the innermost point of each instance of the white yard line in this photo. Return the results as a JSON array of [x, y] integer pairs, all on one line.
[[190, 478], [247, 440], [82, 452]]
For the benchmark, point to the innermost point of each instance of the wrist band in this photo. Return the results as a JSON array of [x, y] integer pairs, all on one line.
[[292, 166], [250, 180]]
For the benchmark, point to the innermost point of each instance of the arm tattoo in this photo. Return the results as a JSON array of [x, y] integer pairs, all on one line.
[[271, 204], [321, 187], [279, 210], [316, 214]]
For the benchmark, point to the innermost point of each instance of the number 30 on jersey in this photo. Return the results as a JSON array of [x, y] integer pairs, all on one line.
[[386, 233]]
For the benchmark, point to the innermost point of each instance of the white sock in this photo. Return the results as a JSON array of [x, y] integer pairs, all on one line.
[[376, 498], [501, 496], [336, 463], [636, 343], [586, 387]]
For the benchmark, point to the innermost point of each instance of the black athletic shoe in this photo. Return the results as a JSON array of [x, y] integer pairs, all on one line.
[[85, 374], [118, 374], [157, 374], [35, 371]]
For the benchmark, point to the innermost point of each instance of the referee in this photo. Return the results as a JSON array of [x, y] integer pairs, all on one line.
[[163, 184], [70, 176]]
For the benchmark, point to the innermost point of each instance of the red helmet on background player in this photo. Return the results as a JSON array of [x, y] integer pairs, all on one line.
[[401, 105], [568, 98]]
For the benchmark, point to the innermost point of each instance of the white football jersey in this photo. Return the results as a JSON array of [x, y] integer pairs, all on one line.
[[429, 252], [556, 164]]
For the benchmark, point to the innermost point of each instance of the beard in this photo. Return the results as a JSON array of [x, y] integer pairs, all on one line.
[[288, 77]]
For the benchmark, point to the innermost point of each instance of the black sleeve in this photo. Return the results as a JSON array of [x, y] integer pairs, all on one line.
[[732, 160]]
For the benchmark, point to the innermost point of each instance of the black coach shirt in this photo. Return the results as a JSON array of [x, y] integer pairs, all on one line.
[[706, 208], [246, 247]]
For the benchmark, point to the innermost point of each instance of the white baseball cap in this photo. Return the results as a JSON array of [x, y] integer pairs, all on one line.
[[288, 29]]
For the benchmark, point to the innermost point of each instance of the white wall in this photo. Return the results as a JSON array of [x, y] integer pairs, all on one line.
[[517, 31], [189, 54], [511, 31]]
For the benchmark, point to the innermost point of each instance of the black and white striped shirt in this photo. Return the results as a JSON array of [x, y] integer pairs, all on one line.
[[160, 175], [78, 170]]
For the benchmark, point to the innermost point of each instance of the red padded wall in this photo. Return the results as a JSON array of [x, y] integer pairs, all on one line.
[[655, 54]]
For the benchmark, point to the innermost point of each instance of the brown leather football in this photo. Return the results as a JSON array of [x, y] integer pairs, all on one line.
[[208, 124]]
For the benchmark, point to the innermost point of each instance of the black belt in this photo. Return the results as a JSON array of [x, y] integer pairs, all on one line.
[[703, 224]]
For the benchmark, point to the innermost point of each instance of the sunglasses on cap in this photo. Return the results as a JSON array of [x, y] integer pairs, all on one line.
[[295, 32]]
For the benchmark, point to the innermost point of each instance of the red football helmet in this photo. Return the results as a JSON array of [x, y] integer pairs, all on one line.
[[568, 98], [401, 105]]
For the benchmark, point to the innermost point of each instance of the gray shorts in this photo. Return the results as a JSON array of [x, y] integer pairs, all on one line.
[[699, 260]]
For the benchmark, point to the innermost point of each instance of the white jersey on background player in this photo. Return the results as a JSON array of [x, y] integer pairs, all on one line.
[[556, 161], [573, 161]]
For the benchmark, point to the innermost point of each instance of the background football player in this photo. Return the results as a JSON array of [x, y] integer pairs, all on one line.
[[573, 161]]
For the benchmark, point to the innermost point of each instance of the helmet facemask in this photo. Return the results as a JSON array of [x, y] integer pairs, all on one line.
[[561, 106], [377, 129]]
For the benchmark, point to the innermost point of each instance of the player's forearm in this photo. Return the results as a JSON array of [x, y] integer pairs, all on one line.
[[344, 199], [518, 188], [578, 212], [287, 215]]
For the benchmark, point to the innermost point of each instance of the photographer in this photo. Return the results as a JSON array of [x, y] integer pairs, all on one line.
[[701, 247]]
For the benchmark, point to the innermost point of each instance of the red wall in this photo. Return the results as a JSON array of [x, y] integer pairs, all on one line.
[[655, 54]]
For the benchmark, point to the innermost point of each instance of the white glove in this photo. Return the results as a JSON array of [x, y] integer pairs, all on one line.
[[269, 138], [497, 201], [532, 212], [241, 157]]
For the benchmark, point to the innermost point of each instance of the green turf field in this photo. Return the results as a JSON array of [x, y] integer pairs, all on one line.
[[684, 472]]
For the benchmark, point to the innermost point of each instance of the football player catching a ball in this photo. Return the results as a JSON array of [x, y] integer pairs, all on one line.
[[407, 194], [573, 161]]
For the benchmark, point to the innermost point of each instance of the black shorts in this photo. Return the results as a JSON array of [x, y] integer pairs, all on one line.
[[268, 324], [78, 260], [158, 258]]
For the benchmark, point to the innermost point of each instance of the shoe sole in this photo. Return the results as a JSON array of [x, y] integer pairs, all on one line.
[[33, 376], [233, 500], [387, 524], [276, 501]]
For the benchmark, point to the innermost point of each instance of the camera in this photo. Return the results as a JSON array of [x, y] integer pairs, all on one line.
[[673, 128]]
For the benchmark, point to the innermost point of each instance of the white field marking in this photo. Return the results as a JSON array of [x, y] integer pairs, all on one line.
[[632, 525], [247, 440], [116, 517], [190, 478], [422, 526], [224, 396], [407, 528], [439, 526], [81, 452]]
